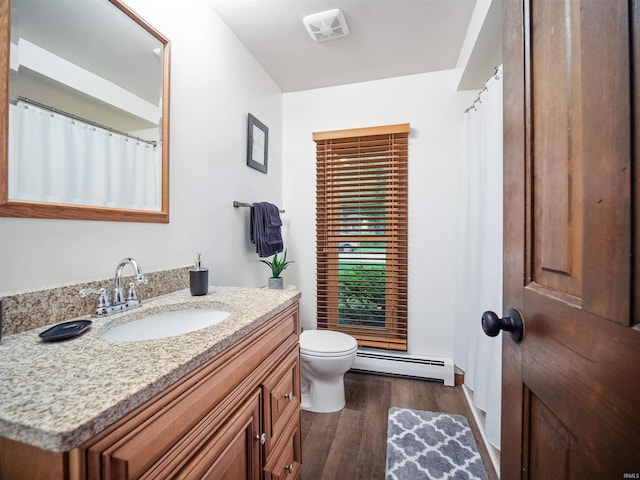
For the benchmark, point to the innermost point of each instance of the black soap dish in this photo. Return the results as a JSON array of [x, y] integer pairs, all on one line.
[[66, 330]]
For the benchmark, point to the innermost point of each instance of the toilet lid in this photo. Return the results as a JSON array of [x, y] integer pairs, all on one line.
[[326, 342]]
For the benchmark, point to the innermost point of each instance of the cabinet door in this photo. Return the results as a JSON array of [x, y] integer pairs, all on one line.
[[18, 460], [231, 453], [282, 399]]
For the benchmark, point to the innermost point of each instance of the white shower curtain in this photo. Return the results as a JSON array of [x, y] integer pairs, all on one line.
[[479, 269], [56, 159]]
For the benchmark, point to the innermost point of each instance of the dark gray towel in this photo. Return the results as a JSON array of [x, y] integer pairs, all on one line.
[[265, 229]]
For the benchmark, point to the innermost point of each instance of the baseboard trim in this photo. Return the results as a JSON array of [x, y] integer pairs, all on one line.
[[494, 453]]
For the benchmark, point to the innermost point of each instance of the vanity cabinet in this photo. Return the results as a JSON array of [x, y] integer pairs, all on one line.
[[236, 416]]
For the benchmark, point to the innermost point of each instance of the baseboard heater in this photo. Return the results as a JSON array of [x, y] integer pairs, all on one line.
[[437, 369]]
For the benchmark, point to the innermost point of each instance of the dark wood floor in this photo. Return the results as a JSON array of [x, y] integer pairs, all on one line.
[[351, 444]]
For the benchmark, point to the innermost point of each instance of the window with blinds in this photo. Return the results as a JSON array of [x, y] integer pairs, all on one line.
[[361, 229]]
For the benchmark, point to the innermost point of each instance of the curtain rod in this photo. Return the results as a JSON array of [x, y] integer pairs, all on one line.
[[83, 120], [495, 75], [237, 204]]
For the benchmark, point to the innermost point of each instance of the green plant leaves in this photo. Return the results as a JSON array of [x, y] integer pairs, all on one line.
[[277, 265]]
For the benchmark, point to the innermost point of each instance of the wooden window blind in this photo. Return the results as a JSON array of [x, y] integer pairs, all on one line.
[[361, 233]]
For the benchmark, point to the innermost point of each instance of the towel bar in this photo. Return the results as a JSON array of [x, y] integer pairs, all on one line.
[[237, 204]]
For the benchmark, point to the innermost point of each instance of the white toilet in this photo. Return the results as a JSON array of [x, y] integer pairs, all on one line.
[[326, 356]]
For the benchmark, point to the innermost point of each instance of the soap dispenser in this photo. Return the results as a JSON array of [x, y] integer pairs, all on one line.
[[199, 278]]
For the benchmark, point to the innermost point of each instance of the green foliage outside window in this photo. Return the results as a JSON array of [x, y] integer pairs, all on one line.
[[361, 292]]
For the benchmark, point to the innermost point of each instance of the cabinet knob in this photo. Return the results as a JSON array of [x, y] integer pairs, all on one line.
[[289, 396], [289, 468], [261, 438]]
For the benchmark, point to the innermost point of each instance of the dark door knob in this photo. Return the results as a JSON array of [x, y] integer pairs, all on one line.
[[512, 322]]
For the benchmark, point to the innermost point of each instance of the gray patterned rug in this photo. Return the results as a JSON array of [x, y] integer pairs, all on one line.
[[431, 445]]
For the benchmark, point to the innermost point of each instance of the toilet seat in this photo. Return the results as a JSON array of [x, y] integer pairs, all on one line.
[[327, 343]]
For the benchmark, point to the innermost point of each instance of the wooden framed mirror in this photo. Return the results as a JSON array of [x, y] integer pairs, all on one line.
[[84, 112]]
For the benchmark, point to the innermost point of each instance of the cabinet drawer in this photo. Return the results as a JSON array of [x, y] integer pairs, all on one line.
[[285, 463], [282, 399]]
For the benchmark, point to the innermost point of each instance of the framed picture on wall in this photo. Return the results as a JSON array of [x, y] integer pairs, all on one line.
[[257, 144]]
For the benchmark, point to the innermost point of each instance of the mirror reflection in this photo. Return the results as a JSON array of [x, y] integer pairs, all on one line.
[[87, 111]]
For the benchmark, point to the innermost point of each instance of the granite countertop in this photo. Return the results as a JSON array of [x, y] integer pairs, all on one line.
[[57, 395]]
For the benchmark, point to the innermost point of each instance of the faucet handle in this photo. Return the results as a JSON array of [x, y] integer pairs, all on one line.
[[103, 296], [133, 293]]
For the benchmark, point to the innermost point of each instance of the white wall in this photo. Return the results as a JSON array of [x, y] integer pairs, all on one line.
[[215, 82], [434, 109]]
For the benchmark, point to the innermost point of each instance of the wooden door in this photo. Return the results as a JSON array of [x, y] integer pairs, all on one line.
[[571, 388]]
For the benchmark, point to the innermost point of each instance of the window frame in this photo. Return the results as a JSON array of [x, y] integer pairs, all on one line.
[[381, 154]]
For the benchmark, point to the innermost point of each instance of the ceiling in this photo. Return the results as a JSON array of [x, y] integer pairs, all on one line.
[[82, 33], [387, 38]]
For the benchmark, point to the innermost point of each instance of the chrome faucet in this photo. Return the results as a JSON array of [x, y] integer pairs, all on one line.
[[107, 306], [118, 295]]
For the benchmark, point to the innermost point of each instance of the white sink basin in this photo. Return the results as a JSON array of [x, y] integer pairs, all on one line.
[[166, 324]]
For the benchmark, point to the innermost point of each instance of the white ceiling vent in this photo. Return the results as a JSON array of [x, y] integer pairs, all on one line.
[[326, 25]]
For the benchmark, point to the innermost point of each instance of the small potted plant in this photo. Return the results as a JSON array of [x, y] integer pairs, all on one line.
[[277, 265]]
